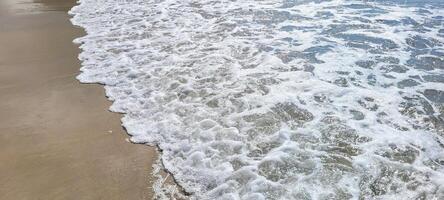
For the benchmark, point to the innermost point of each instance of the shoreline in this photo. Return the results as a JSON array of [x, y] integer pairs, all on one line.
[[58, 140]]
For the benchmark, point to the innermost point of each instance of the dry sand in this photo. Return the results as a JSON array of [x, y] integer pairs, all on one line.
[[57, 138]]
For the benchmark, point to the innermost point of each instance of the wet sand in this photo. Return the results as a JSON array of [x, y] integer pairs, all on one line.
[[57, 138]]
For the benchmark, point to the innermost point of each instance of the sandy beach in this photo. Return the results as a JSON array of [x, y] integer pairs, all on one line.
[[57, 138]]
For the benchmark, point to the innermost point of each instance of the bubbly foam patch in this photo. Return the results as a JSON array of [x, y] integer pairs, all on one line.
[[271, 99]]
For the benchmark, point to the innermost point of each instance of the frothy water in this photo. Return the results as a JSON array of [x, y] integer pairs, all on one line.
[[268, 99]]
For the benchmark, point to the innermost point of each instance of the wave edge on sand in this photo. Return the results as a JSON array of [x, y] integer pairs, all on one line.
[[277, 99]]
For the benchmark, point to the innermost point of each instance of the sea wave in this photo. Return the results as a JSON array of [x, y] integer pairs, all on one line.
[[277, 99]]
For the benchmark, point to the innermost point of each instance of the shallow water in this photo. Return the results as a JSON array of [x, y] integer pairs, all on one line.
[[278, 99]]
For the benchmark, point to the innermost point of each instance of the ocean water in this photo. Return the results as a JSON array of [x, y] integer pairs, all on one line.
[[277, 99]]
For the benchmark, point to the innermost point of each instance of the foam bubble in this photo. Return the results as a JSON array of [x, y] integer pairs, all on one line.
[[277, 99]]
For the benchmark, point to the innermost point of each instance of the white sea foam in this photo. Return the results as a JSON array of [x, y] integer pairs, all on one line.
[[277, 99]]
